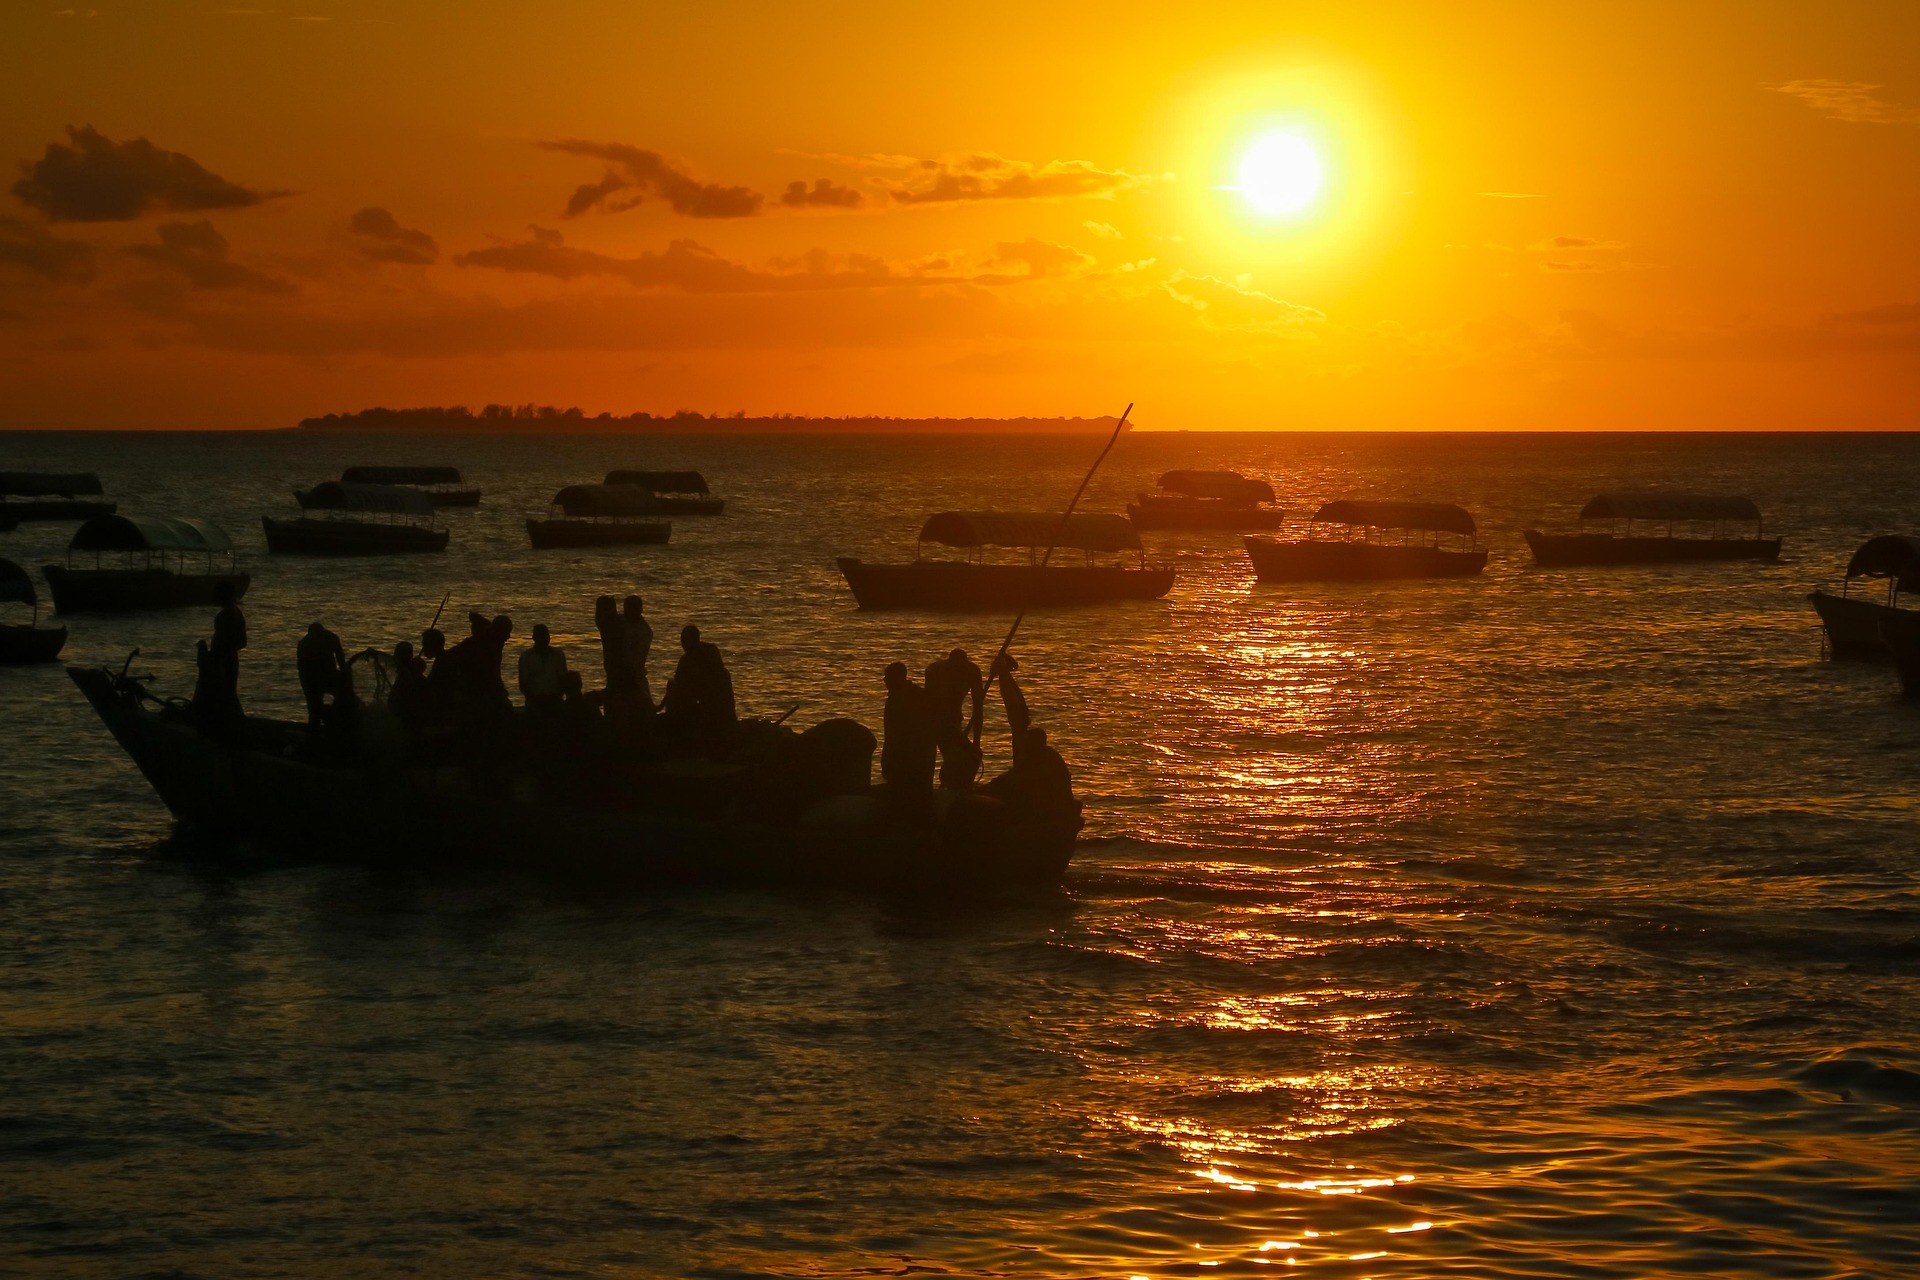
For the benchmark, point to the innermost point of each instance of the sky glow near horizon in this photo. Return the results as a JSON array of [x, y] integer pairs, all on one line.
[[1386, 217]]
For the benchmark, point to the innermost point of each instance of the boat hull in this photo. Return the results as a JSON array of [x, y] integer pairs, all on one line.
[[956, 586], [1555, 551], [308, 537], [119, 590], [1901, 632], [262, 793], [14, 513], [1312, 561], [22, 645], [1199, 513], [548, 534], [1858, 628]]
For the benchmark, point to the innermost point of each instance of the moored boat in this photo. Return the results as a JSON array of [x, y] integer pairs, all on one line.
[[673, 493], [441, 484], [23, 643], [1206, 500], [600, 515], [1695, 529], [40, 495], [1434, 540], [1857, 627], [974, 583], [407, 528], [142, 577]]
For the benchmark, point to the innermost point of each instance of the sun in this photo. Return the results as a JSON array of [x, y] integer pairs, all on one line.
[[1280, 173]]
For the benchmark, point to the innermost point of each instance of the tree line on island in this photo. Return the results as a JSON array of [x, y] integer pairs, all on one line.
[[546, 417]]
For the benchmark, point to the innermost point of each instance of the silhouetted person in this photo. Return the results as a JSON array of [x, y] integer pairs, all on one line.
[[543, 670], [217, 692], [322, 665], [950, 682], [625, 708], [408, 697], [492, 683], [907, 742], [1039, 781], [636, 644], [698, 706]]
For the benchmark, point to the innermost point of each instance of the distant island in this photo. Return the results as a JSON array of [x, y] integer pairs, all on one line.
[[546, 417]]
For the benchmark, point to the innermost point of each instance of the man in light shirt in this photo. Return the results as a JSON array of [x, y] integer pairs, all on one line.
[[543, 670]]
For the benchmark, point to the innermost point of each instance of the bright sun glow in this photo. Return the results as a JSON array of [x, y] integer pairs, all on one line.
[[1280, 173]]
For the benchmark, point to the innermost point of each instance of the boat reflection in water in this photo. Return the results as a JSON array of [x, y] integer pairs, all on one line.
[[22, 643], [600, 515], [143, 578], [408, 526], [1707, 515], [1373, 540], [978, 584]]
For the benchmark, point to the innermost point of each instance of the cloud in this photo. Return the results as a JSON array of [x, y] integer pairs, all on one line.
[[1589, 266], [1237, 304], [1510, 195], [199, 253], [380, 237], [1106, 230], [985, 176], [1577, 244], [824, 193], [689, 267], [1040, 257], [96, 179], [33, 248], [1848, 100], [648, 173]]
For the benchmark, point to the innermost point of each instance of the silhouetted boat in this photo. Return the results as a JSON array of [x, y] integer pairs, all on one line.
[[1362, 552], [974, 584], [343, 536], [143, 579], [600, 515], [270, 792], [1707, 512], [1206, 500], [440, 484], [22, 643], [1858, 627], [672, 491], [1901, 630], [50, 496]]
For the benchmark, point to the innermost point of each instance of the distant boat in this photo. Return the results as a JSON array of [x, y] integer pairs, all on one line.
[[1206, 500], [440, 484], [407, 528], [22, 643], [670, 491], [1707, 514], [143, 578], [1858, 627], [52, 496], [600, 515], [1360, 548], [972, 584]]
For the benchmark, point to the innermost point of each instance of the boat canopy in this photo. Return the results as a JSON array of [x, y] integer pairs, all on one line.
[[124, 533], [1030, 529], [661, 481], [1441, 517], [605, 500], [1894, 556], [346, 495], [43, 484], [1227, 486], [1669, 506], [16, 584], [401, 475]]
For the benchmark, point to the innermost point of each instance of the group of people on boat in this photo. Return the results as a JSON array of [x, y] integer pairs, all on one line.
[[938, 722]]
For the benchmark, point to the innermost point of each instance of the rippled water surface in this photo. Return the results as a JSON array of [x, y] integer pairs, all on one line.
[[1547, 924]]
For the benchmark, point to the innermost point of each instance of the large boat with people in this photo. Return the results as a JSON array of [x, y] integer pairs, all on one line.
[[1206, 500], [977, 583], [1351, 540], [672, 493], [156, 563], [1857, 626], [43, 495], [25, 642], [600, 515], [358, 529], [1658, 528], [442, 485]]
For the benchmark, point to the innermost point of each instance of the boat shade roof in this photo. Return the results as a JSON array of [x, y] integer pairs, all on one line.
[[1669, 506], [604, 500], [43, 484], [1892, 556], [16, 584], [124, 533], [401, 475], [1443, 517], [661, 481], [345, 495], [1030, 529], [1228, 486]]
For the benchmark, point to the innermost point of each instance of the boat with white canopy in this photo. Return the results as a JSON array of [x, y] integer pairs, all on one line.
[[355, 531], [1658, 528], [600, 515], [157, 563], [980, 583], [1356, 541]]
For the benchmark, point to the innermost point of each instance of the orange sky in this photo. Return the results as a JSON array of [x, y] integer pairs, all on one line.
[[1534, 216]]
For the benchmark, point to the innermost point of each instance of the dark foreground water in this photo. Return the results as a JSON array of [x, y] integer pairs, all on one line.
[[1550, 924]]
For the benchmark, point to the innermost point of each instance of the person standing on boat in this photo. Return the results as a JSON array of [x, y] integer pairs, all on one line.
[[491, 685], [636, 644], [950, 681], [216, 697], [613, 665], [907, 744], [322, 664], [409, 699], [1039, 781], [543, 672], [698, 705]]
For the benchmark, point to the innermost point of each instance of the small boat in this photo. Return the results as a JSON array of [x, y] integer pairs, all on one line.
[[1206, 500], [1363, 550], [440, 484], [51, 496], [22, 643], [1707, 515], [672, 491], [143, 579], [1857, 627], [407, 528], [971, 584], [600, 515]]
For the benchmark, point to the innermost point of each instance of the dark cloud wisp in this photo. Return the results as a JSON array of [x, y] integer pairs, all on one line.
[[380, 236], [647, 173], [92, 178], [32, 248], [199, 253], [824, 194]]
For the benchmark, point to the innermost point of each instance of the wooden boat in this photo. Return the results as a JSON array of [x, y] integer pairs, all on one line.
[[142, 578], [1856, 626], [1901, 631], [973, 584], [22, 643], [407, 528], [440, 484], [1363, 549], [50, 496], [1700, 521], [1206, 500], [682, 828], [675, 493], [600, 515]]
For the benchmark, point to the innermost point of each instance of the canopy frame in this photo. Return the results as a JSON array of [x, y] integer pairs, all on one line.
[[620, 503], [1895, 557], [16, 587], [660, 481], [1418, 523], [1229, 488], [49, 484], [976, 531], [354, 501], [1670, 508], [412, 476]]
